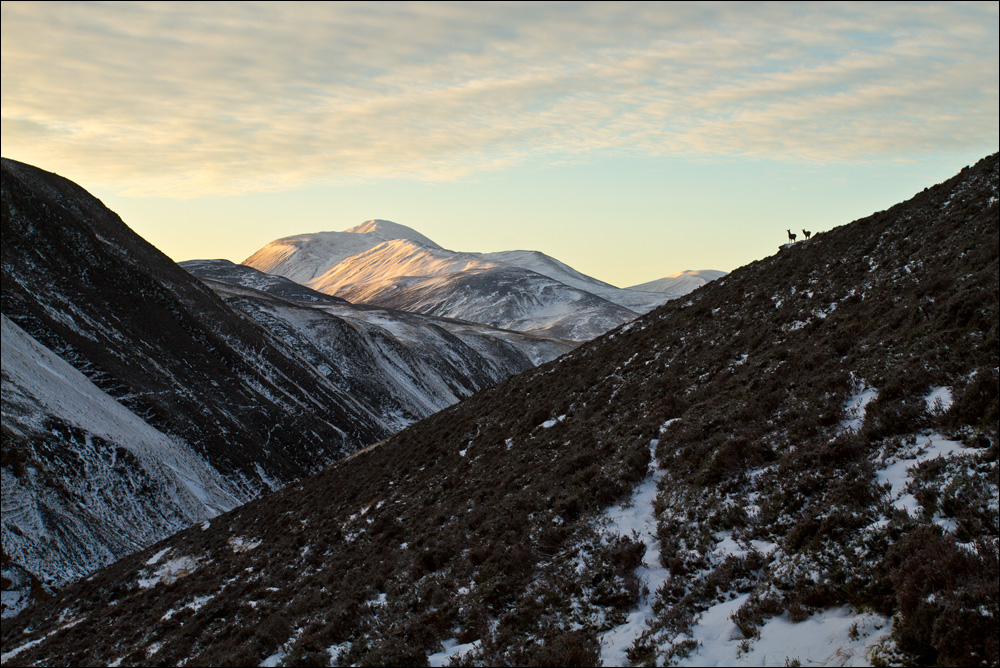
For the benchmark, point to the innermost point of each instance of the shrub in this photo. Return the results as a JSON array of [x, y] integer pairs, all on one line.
[[754, 612], [948, 600], [977, 405], [273, 632]]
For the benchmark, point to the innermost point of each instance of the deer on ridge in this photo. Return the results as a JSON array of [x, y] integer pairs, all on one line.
[[791, 237], [807, 233]]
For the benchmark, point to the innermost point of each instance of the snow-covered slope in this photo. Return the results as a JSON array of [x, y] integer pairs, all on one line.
[[279, 286], [635, 299], [183, 393], [407, 366], [225, 277], [388, 264], [146, 332], [391, 265], [88, 480], [506, 297]]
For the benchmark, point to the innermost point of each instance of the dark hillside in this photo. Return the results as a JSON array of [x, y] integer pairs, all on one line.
[[135, 401], [481, 523], [78, 280]]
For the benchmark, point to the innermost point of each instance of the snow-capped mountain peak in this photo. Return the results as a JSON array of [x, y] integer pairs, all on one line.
[[393, 262], [304, 257], [386, 230], [383, 263]]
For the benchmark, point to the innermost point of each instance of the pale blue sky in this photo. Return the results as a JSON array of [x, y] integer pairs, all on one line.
[[631, 141]]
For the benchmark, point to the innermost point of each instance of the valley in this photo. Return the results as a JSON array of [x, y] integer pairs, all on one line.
[[137, 402], [809, 442]]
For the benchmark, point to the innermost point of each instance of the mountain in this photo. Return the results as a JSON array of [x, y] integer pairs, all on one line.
[[407, 365], [238, 274], [794, 463], [137, 402], [495, 295], [387, 264], [166, 407], [304, 257], [681, 283], [110, 484]]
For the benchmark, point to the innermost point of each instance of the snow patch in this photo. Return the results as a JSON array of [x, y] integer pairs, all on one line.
[[938, 400], [241, 544], [335, 651], [896, 470], [14, 601], [7, 656], [198, 602], [276, 658], [156, 557], [636, 518], [855, 408], [837, 637], [548, 424], [169, 572], [452, 648]]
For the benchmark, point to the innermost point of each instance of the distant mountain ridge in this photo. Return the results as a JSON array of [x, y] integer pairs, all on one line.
[[384, 263], [680, 283]]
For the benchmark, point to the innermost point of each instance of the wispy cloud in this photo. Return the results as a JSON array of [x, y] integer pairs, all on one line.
[[192, 98]]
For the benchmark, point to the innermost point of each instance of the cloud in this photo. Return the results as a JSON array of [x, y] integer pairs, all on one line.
[[200, 98]]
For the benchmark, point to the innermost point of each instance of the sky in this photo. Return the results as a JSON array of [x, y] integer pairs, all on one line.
[[631, 141]]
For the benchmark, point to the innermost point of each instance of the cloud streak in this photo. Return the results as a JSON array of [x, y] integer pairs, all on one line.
[[191, 99]]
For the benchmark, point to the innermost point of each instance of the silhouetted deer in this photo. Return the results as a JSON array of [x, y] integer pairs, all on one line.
[[791, 237], [807, 233]]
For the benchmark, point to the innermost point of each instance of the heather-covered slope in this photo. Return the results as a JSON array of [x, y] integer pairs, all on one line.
[[823, 425]]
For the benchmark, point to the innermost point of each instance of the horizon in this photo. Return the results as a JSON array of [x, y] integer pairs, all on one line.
[[631, 141]]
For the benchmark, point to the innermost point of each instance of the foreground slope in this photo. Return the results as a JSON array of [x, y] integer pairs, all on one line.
[[823, 432]]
